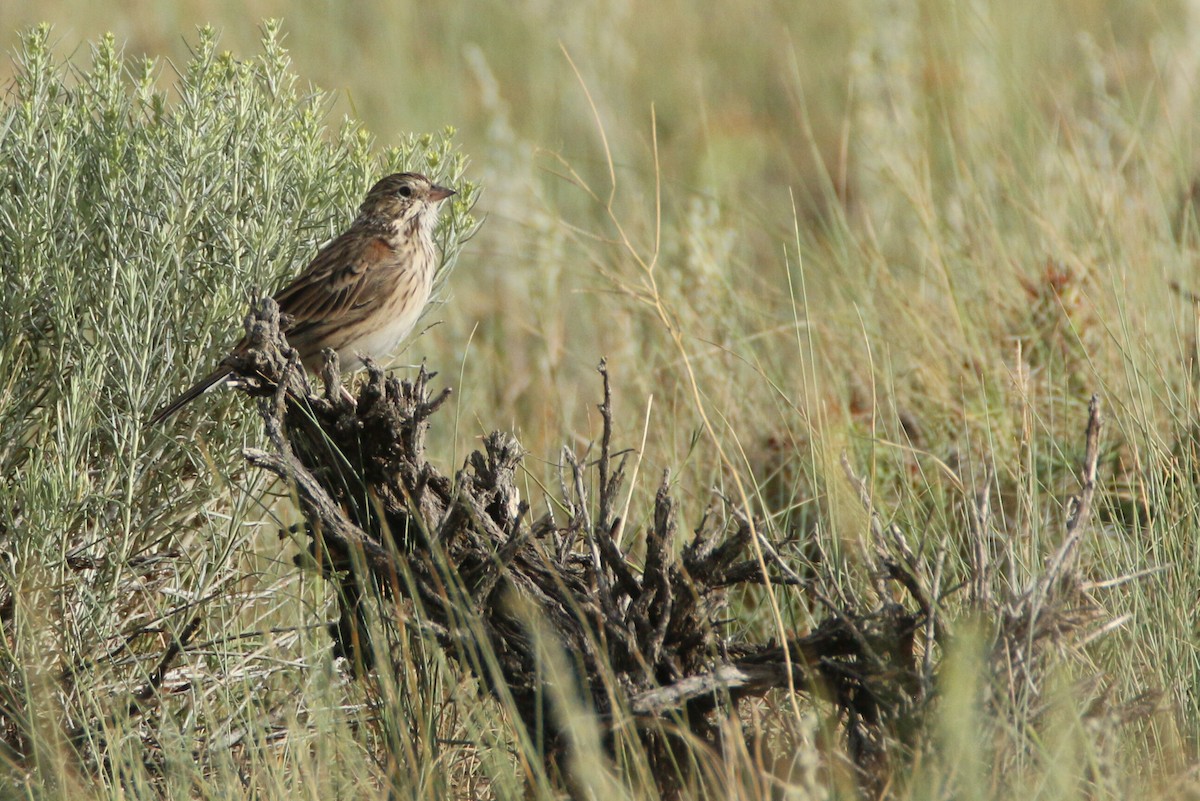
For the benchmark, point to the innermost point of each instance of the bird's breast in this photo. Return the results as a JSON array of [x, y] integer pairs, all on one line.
[[393, 320]]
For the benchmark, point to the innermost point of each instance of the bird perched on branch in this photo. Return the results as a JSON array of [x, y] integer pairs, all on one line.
[[365, 290]]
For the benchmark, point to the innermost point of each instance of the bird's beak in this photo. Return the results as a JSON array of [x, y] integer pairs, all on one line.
[[440, 193]]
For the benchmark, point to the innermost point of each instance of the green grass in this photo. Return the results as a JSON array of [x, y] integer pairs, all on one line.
[[920, 235]]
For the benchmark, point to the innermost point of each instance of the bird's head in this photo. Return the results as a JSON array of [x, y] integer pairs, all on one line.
[[404, 199]]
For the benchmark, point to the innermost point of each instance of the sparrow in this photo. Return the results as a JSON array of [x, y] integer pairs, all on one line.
[[364, 291]]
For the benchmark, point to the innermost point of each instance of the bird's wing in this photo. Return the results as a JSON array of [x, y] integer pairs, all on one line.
[[338, 284]]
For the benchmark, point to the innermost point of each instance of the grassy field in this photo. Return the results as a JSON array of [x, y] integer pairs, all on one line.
[[917, 236]]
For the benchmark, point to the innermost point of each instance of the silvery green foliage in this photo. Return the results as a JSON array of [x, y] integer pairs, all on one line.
[[140, 211]]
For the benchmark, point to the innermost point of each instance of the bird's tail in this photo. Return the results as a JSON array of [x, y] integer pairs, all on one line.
[[195, 391]]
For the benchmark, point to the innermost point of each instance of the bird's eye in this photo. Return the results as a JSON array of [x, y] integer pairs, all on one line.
[[405, 191]]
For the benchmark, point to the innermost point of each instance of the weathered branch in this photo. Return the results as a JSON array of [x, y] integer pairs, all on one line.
[[487, 574]]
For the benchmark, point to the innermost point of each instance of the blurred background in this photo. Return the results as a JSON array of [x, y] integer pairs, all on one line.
[[764, 126], [819, 225]]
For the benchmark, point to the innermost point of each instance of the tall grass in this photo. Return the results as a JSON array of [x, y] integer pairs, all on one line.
[[136, 226], [920, 235]]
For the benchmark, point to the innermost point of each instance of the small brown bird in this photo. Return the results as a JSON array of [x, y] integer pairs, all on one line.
[[365, 290]]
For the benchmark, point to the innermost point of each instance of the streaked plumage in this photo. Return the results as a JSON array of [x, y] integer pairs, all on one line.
[[365, 290]]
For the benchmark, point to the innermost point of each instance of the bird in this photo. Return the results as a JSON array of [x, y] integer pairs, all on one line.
[[364, 291]]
